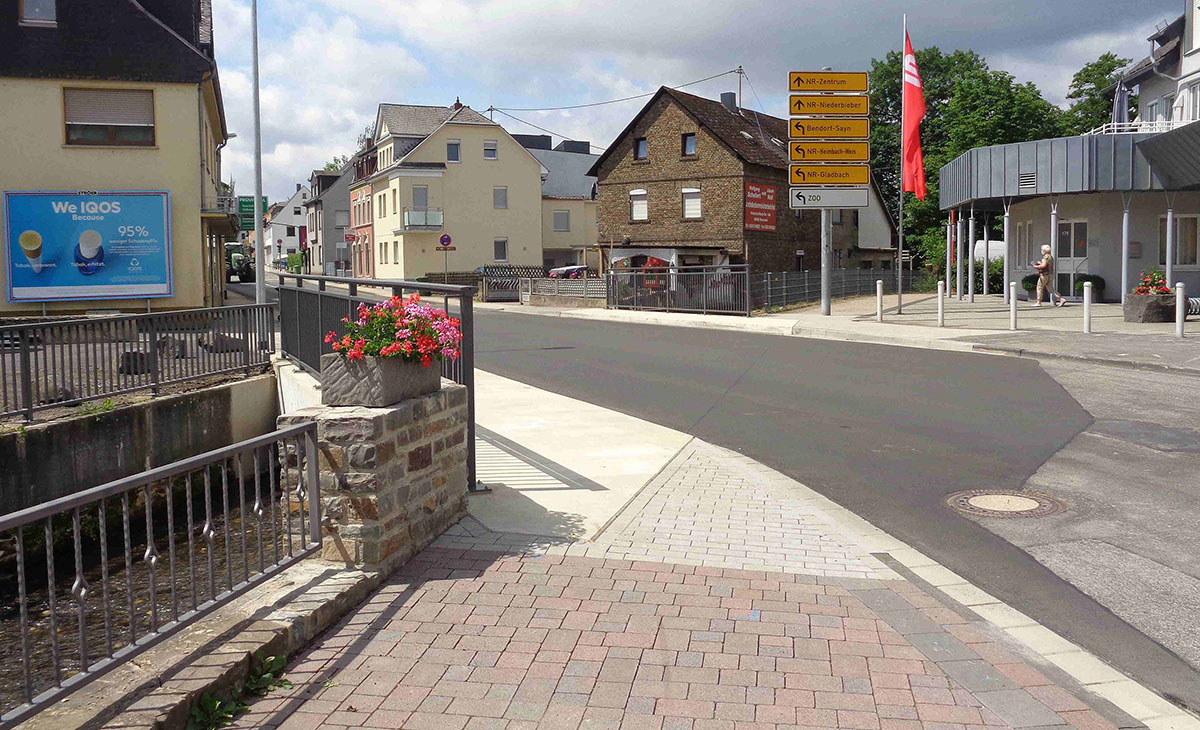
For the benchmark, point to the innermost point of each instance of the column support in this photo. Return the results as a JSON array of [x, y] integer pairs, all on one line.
[[1054, 243], [1170, 273], [1007, 247], [958, 250], [1126, 199], [949, 243], [971, 257]]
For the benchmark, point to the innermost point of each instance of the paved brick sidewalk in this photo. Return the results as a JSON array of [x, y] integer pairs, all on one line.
[[529, 634]]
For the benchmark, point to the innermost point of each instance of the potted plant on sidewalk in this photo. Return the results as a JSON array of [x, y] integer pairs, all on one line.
[[389, 353], [1151, 300]]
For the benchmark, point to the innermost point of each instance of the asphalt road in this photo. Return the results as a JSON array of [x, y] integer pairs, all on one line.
[[887, 432]]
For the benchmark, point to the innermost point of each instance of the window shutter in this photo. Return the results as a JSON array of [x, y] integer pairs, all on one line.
[[562, 220], [123, 107], [639, 205], [691, 203], [499, 197]]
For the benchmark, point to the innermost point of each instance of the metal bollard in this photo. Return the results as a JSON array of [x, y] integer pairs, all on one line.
[[1012, 305], [1180, 308], [1087, 307], [941, 304], [879, 300]]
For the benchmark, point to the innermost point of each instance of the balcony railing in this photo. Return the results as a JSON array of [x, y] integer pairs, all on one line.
[[422, 219], [1162, 125], [219, 204]]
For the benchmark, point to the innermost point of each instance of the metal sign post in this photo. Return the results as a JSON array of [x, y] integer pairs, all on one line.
[[445, 248], [828, 133]]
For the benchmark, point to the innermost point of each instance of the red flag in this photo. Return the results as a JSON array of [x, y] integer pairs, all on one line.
[[912, 163]]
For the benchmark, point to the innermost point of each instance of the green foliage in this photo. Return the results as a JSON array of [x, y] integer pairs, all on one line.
[[1029, 283], [1097, 284], [266, 675], [1090, 106], [995, 276], [93, 408], [294, 262], [337, 163], [211, 712]]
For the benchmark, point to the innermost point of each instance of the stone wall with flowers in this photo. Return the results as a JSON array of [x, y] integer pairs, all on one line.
[[392, 478]]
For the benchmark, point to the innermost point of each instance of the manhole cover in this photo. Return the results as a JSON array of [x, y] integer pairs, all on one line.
[[994, 503]]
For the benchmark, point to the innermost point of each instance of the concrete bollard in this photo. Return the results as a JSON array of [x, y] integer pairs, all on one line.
[[1087, 307], [941, 304], [1012, 305], [1180, 308], [879, 300]]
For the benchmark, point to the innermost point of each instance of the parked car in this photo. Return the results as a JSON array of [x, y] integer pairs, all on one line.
[[569, 272]]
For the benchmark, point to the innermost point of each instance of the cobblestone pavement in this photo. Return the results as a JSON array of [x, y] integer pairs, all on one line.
[[716, 600]]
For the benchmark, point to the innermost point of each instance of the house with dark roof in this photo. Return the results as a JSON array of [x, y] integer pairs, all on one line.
[[568, 200], [1111, 203], [327, 211], [443, 171], [115, 97], [692, 181]]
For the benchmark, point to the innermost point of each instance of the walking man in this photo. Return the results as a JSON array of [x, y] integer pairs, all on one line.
[[1045, 282]]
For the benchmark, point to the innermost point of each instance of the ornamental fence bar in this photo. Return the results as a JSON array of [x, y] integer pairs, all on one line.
[[701, 289], [51, 364], [311, 306], [97, 577], [593, 288], [783, 288]]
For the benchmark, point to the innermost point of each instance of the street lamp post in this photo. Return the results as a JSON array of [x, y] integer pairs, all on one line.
[[260, 286]]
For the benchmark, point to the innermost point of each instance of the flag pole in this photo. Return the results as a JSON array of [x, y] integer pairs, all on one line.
[[900, 239]]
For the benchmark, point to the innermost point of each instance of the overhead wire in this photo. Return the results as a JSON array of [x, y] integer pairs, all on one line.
[[610, 101]]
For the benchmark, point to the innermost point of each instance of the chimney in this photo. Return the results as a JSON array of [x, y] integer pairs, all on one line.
[[298, 186], [729, 99], [457, 104]]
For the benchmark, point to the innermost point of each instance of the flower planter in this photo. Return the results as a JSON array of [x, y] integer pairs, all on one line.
[[375, 381], [1149, 308]]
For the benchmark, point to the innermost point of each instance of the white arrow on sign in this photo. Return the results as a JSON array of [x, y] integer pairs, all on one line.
[[800, 198]]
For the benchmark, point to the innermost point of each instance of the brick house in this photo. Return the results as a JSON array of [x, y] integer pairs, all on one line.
[[692, 181]]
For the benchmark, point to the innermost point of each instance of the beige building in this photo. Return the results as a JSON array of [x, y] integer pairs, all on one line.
[[436, 171], [114, 116], [569, 226]]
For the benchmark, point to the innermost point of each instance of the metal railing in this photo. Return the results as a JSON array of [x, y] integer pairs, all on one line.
[[307, 313], [782, 288], [61, 363], [586, 288], [223, 522], [423, 218], [1162, 125], [703, 289], [219, 204]]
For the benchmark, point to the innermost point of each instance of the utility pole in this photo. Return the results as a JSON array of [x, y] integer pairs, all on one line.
[[260, 253]]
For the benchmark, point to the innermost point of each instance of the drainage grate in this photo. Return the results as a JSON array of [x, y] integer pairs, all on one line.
[[1003, 504]]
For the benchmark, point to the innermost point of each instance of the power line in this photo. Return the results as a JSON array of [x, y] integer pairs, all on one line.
[[547, 131], [762, 137], [610, 101]]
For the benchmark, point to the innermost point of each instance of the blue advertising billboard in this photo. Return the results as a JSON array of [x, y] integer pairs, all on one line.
[[87, 244]]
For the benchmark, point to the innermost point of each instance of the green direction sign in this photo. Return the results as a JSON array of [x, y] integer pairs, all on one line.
[[246, 204], [246, 220]]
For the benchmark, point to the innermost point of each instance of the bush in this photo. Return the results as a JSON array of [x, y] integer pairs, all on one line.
[[1152, 282], [294, 261], [1029, 283], [1097, 285]]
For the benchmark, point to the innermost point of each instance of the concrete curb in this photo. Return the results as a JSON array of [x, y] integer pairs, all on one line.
[[1128, 364]]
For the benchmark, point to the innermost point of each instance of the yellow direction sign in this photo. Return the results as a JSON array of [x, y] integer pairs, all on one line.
[[849, 105], [830, 174], [804, 151], [829, 128], [827, 81]]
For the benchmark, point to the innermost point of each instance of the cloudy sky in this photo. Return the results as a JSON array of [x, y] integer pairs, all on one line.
[[326, 64]]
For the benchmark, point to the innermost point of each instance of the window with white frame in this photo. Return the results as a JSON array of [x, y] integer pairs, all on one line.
[[489, 150], [1187, 230], [1152, 111], [383, 252], [120, 117], [420, 197], [38, 12], [639, 205], [499, 197], [562, 220], [500, 249], [295, 211], [395, 252], [1168, 107], [453, 151], [1193, 102], [691, 202]]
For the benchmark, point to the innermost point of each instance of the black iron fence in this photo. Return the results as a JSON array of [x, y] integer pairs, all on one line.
[[779, 289], [312, 306], [702, 289], [60, 363], [95, 578]]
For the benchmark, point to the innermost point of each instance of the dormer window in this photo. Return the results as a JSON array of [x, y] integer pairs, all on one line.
[[38, 12]]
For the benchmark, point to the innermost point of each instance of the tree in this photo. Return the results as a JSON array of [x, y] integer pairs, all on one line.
[[337, 163], [366, 137], [1090, 106], [967, 105]]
